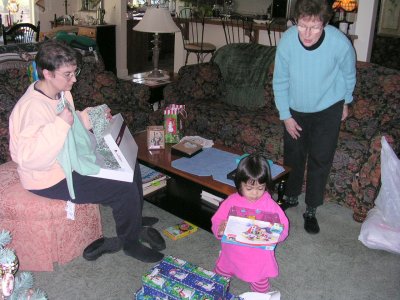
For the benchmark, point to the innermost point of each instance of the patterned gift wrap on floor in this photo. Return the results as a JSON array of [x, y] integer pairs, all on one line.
[[140, 295], [175, 278]]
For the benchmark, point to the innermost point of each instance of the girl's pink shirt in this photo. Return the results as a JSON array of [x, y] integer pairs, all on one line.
[[248, 264]]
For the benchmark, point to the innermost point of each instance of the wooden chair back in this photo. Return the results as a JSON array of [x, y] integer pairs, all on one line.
[[276, 28], [238, 29], [191, 24], [21, 33]]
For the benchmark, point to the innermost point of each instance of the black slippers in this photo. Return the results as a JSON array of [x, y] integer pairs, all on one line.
[[153, 238], [100, 247]]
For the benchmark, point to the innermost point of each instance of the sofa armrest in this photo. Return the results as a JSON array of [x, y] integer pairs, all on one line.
[[195, 82]]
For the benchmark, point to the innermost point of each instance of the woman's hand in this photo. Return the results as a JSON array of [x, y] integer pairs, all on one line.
[[292, 128], [67, 116], [108, 114], [345, 113], [221, 228]]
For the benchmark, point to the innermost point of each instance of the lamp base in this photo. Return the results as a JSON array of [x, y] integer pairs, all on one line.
[[157, 74]]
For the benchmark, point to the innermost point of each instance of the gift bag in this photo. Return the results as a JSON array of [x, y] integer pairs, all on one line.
[[173, 122], [381, 228]]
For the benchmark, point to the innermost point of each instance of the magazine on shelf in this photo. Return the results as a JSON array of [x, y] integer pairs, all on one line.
[[150, 176], [252, 233], [154, 187], [211, 198]]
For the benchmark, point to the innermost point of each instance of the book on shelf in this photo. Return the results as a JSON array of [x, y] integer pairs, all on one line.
[[154, 187], [211, 198], [180, 230], [252, 233], [150, 176]]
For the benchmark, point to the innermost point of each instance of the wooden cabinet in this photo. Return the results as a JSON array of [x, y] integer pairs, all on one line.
[[105, 39]]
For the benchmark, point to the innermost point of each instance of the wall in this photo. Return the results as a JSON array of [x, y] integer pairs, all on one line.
[[116, 10]]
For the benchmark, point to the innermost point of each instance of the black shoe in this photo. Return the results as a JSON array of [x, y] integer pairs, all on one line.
[[142, 253], [291, 201], [149, 221], [310, 224], [151, 236], [100, 247]]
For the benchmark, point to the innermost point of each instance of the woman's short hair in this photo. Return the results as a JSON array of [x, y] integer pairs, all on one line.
[[253, 168], [53, 54], [313, 8]]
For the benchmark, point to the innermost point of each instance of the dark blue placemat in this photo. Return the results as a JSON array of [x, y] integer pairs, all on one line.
[[216, 163]]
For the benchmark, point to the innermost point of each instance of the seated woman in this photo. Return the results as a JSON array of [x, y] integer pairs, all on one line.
[[38, 132]]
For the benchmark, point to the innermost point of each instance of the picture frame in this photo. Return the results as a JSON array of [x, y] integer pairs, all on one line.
[[155, 137], [389, 18]]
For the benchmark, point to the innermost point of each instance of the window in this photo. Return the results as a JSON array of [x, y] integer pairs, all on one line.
[[16, 11]]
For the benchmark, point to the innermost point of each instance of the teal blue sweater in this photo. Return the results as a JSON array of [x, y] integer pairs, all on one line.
[[313, 80]]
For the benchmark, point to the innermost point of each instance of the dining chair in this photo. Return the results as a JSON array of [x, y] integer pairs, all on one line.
[[191, 24], [276, 28], [238, 29], [21, 33]]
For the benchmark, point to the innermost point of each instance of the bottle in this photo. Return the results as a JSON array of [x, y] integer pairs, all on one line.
[[1, 20], [55, 20]]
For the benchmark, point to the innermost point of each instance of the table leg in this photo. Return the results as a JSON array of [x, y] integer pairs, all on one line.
[[281, 191]]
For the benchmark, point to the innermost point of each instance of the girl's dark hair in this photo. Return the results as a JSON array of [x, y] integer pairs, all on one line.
[[313, 8], [53, 54], [253, 168]]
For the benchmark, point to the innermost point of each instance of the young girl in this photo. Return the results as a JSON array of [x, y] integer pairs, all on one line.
[[253, 265]]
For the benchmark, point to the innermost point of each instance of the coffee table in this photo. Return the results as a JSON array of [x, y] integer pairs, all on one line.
[[161, 160]]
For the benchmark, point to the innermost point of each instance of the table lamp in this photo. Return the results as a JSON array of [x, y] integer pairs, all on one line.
[[156, 20]]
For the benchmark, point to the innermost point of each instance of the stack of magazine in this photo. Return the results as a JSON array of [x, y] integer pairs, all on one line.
[[212, 199], [152, 179]]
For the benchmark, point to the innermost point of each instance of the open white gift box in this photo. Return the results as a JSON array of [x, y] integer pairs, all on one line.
[[123, 147]]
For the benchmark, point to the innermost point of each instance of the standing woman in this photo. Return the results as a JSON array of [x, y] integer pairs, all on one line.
[[314, 79]]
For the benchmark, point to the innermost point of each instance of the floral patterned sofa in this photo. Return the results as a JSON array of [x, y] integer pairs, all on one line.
[[42, 234], [355, 177]]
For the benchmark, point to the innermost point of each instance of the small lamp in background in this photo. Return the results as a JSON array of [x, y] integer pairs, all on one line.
[[156, 20], [346, 15]]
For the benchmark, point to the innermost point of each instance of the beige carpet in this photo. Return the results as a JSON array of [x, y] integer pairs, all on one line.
[[330, 265]]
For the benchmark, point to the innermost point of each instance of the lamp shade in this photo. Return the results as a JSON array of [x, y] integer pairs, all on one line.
[[157, 20]]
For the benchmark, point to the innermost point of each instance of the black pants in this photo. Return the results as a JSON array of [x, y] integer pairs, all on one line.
[[125, 199], [316, 146]]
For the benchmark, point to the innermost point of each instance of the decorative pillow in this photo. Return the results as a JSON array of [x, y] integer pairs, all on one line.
[[17, 55], [245, 67]]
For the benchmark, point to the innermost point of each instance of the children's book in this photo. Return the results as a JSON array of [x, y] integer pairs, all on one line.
[[254, 214], [180, 230], [252, 233]]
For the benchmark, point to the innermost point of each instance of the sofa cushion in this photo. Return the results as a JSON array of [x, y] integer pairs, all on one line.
[[17, 55], [244, 88]]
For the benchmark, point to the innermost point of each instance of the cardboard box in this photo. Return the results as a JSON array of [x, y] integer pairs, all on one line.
[[124, 149], [178, 279]]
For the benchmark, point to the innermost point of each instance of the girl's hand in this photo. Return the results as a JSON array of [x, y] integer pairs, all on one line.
[[221, 228], [292, 128], [67, 116]]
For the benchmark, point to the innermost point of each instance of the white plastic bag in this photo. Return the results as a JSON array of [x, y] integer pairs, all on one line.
[[275, 295], [381, 228]]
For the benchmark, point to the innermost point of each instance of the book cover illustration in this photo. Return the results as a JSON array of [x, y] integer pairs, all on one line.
[[254, 214], [180, 230], [252, 233]]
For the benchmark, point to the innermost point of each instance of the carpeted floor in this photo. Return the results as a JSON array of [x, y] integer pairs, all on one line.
[[330, 265]]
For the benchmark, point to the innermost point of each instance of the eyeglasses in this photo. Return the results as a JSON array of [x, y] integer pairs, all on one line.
[[69, 75], [313, 29]]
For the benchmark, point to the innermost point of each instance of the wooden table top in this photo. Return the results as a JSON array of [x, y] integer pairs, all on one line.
[[161, 161]]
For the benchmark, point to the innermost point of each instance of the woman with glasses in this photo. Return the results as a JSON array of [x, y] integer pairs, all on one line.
[[314, 79], [39, 129]]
